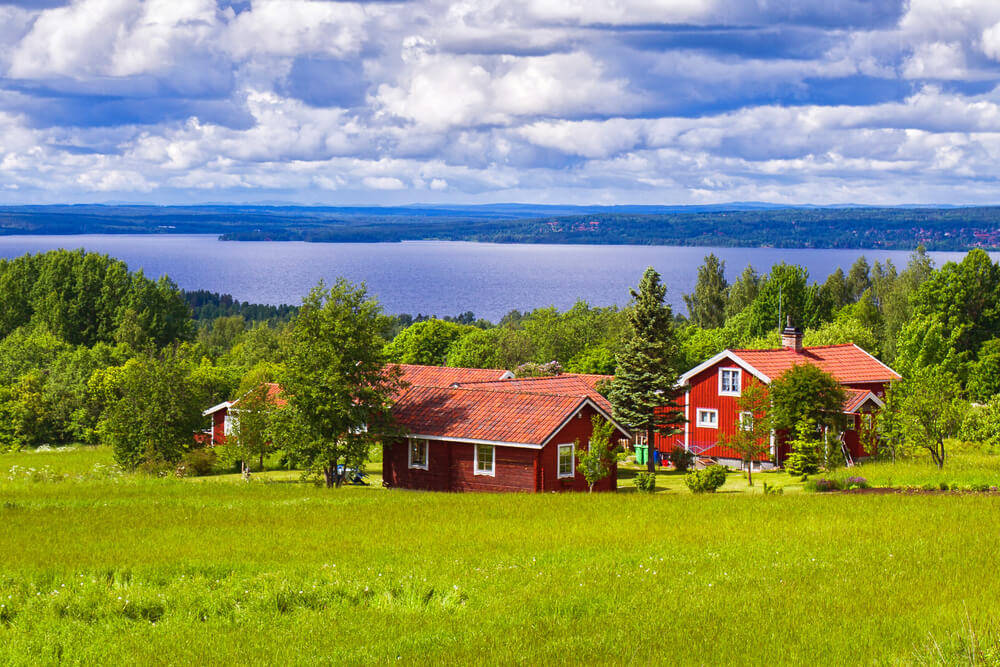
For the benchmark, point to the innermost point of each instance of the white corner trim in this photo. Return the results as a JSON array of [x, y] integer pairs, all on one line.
[[586, 401], [507, 375], [687, 420], [572, 451], [731, 356], [216, 408], [870, 396]]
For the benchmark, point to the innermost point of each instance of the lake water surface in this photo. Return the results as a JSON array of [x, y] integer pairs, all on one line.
[[436, 277]]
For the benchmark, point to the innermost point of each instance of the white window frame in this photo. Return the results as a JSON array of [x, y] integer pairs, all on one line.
[[701, 423], [739, 381], [227, 424], [746, 420], [492, 472], [410, 442], [572, 460]]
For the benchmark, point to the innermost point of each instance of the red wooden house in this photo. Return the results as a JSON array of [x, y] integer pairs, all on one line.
[[475, 430], [223, 414], [713, 388]]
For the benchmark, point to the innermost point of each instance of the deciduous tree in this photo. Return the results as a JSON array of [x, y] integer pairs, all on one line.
[[594, 462], [337, 383], [753, 433], [707, 304]]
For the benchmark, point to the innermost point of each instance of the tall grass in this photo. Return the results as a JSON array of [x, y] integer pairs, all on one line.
[[152, 571]]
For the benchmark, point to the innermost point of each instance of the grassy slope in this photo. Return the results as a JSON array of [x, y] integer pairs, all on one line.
[[288, 572]]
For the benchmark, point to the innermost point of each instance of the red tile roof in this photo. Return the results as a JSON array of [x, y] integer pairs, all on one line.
[[571, 384], [848, 363], [855, 398], [273, 395], [443, 376], [476, 414]]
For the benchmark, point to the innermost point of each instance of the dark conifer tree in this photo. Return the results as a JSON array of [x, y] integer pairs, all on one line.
[[645, 392]]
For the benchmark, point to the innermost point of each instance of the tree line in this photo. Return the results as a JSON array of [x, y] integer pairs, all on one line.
[[93, 353]]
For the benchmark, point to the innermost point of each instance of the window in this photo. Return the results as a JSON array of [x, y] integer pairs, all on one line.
[[485, 460], [567, 460], [729, 381], [708, 418], [227, 424], [746, 421], [418, 453]]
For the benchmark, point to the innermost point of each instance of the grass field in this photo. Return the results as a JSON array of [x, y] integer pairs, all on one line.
[[133, 570]]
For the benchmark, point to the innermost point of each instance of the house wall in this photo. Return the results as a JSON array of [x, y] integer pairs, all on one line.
[[451, 465], [704, 393], [219, 426]]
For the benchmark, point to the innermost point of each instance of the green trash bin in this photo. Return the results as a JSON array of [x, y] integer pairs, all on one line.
[[641, 452]]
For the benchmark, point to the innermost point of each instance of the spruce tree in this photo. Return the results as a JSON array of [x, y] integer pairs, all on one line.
[[645, 391], [707, 305]]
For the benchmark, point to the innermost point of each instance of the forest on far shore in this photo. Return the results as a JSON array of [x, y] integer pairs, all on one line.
[[732, 225]]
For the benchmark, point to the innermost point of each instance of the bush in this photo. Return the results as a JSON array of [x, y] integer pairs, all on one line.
[[772, 490], [856, 483], [646, 482], [681, 459], [822, 485], [197, 463], [707, 480]]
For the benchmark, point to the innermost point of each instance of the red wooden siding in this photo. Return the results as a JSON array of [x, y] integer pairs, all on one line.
[[704, 393], [450, 465]]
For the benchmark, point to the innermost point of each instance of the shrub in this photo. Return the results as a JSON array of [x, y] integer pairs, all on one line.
[[822, 485], [772, 490], [681, 459], [856, 483], [198, 462], [646, 482], [707, 480]]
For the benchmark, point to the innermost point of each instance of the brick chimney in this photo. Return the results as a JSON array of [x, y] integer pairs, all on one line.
[[791, 337]]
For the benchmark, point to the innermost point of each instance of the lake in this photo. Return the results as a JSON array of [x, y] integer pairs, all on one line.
[[436, 277]]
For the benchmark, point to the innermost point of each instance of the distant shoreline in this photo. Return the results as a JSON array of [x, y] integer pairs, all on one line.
[[735, 226]]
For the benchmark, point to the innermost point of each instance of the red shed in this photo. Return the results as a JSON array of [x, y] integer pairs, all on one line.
[[713, 388], [499, 435], [223, 414]]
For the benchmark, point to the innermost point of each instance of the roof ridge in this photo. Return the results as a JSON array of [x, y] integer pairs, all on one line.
[[785, 349], [499, 391]]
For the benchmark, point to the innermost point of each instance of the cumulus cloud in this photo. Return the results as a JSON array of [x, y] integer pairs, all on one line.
[[610, 101]]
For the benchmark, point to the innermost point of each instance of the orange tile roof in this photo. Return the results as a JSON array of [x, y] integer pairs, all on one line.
[[855, 399], [571, 384], [848, 363], [273, 395], [477, 414], [443, 376]]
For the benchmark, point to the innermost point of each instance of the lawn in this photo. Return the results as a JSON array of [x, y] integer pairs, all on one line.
[[134, 570]]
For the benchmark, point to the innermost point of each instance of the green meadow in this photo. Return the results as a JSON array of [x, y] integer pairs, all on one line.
[[110, 569]]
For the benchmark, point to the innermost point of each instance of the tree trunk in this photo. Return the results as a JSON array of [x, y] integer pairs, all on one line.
[[328, 475], [650, 467], [749, 473], [261, 462], [245, 471]]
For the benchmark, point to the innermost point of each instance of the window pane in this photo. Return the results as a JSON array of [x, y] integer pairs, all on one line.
[[484, 458], [566, 459]]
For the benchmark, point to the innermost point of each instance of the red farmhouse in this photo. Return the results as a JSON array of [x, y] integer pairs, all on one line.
[[714, 387], [223, 413], [482, 430]]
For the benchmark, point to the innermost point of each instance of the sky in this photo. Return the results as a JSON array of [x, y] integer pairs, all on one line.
[[484, 101]]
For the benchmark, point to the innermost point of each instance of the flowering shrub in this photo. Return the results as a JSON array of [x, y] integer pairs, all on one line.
[[856, 483], [823, 484]]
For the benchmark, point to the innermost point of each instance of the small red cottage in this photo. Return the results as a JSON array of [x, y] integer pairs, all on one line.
[[222, 415], [474, 430], [714, 387]]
